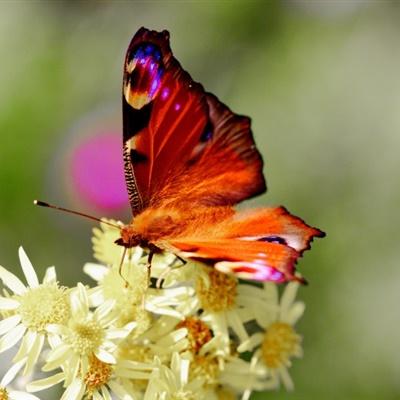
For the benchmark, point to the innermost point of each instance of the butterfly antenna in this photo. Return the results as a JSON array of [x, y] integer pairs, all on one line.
[[43, 204]]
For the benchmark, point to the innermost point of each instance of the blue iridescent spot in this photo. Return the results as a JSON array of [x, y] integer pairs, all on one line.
[[207, 132], [177, 107], [275, 276], [272, 239], [148, 77], [145, 51]]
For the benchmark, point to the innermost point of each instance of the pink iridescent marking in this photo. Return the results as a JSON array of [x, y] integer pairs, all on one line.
[[165, 93]]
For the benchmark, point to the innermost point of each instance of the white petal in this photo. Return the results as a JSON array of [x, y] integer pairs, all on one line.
[[105, 356], [50, 275], [34, 353], [124, 373], [25, 345], [59, 354], [27, 267], [8, 304], [271, 292], [164, 311], [294, 313], [97, 396], [286, 379], [254, 341], [121, 333], [45, 383], [57, 329], [172, 337], [16, 395], [289, 296], [12, 372], [11, 281], [96, 271], [75, 391], [236, 324], [151, 390], [265, 316], [80, 301], [9, 323], [54, 340], [75, 365], [106, 394], [12, 337], [119, 390], [103, 310]]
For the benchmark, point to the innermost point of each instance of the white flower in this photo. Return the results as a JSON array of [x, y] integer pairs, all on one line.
[[169, 383], [29, 310], [224, 304], [86, 334], [279, 342], [99, 380], [103, 240]]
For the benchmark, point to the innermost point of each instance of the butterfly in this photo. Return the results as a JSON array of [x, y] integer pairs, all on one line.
[[188, 160]]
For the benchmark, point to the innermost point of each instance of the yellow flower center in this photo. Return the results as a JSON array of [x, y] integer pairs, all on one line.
[[97, 375], [44, 304], [86, 337], [220, 294], [3, 394], [198, 333], [205, 367], [183, 394], [129, 297], [281, 342]]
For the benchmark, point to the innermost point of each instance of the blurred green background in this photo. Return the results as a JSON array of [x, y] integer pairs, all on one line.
[[320, 81]]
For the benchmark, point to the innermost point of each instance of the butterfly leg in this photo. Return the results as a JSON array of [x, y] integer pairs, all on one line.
[[149, 259], [120, 267], [168, 270]]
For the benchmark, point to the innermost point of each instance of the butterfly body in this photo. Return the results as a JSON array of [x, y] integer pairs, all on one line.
[[188, 161]]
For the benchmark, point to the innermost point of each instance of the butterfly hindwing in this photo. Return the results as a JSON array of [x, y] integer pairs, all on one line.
[[246, 259], [259, 244]]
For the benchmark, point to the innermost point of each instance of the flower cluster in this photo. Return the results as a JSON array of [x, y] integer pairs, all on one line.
[[202, 335]]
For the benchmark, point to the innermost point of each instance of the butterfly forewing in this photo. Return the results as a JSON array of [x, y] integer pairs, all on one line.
[[181, 143], [165, 114]]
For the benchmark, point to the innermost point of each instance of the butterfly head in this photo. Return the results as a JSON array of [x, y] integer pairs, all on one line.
[[147, 230]]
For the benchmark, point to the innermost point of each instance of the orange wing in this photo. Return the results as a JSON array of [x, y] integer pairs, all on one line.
[[261, 244], [181, 143], [244, 258]]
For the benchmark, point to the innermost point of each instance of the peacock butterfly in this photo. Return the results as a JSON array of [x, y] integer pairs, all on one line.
[[188, 161]]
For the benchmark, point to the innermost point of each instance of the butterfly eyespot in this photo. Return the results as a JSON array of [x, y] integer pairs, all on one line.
[[177, 107], [144, 75], [272, 239], [143, 52]]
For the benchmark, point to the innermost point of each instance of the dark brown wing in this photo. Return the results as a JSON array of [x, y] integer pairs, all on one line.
[[181, 143]]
